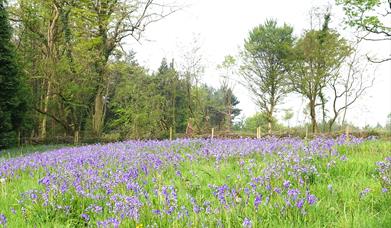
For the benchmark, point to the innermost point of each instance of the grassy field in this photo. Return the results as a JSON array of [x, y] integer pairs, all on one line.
[[200, 183], [28, 149]]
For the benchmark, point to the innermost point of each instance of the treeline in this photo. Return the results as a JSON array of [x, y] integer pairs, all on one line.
[[71, 78], [329, 71], [64, 73]]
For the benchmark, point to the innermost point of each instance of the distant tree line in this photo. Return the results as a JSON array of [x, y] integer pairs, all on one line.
[[321, 66], [64, 73]]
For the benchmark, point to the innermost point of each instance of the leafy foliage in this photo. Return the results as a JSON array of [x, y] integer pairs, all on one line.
[[266, 64], [13, 104]]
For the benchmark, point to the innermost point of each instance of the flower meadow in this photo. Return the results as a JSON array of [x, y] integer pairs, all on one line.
[[269, 182]]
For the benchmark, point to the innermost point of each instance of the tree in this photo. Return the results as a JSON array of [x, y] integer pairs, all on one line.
[[191, 70], [58, 64], [265, 64], [136, 104], [370, 16], [173, 90], [217, 109], [288, 115], [39, 35], [108, 23], [258, 120], [227, 67], [348, 86], [12, 104], [68, 49], [318, 53]]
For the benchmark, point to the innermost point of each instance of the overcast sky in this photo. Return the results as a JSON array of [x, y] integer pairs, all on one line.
[[221, 27]]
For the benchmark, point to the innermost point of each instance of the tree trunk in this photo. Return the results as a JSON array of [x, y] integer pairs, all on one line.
[[229, 111], [323, 100], [314, 125], [98, 116], [344, 112], [270, 127], [173, 106], [76, 136], [45, 109], [331, 123], [270, 118], [51, 58]]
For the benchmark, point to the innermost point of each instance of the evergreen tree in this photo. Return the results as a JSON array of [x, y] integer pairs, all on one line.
[[12, 106]]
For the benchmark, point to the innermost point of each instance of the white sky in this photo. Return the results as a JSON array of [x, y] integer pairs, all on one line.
[[221, 27]]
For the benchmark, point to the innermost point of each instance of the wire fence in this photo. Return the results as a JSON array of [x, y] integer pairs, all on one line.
[[211, 134]]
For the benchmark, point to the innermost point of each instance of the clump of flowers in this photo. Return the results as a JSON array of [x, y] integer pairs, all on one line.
[[247, 223], [3, 220], [364, 192], [384, 170]]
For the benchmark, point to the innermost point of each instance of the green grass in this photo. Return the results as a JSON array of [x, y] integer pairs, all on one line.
[[341, 207], [28, 149]]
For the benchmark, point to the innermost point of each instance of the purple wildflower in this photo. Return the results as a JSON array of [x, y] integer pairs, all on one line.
[[287, 183], [364, 192], [257, 201], [3, 219], [311, 199], [300, 203], [85, 217], [156, 212], [111, 222], [344, 158], [293, 193], [247, 223]]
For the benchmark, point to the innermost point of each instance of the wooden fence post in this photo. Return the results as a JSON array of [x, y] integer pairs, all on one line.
[[170, 133], [213, 132], [270, 128], [76, 137], [347, 133]]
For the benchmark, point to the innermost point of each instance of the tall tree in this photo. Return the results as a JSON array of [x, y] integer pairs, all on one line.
[[39, 23], [137, 104], [318, 54], [227, 86], [265, 64], [12, 103], [57, 63], [108, 23], [173, 91], [192, 68]]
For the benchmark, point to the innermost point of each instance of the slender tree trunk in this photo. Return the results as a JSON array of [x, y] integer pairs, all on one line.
[[19, 139], [45, 109], [323, 100], [229, 111], [76, 135], [270, 118], [314, 125], [51, 58], [173, 106], [344, 111], [331, 123]]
